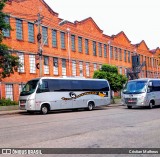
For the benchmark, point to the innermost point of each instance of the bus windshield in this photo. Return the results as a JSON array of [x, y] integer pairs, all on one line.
[[135, 87], [29, 88]]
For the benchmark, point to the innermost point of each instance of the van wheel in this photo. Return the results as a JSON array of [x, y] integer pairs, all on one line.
[[44, 109], [129, 107], [90, 106], [150, 105]]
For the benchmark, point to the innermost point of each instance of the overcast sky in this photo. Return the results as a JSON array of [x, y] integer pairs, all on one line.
[[139, 19]]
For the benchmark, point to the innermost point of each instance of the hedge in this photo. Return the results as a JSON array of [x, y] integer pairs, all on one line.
[[7, 102]]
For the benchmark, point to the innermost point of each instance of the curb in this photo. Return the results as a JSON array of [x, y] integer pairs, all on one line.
[[11, 112]]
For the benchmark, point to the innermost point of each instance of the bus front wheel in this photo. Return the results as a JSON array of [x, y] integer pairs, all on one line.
[[150, 105], [44, 109], [90, 106]]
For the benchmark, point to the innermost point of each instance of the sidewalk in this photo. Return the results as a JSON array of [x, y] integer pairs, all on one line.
[[10, 112]]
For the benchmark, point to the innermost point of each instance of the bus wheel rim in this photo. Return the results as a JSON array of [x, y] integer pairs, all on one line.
[[44, 110]]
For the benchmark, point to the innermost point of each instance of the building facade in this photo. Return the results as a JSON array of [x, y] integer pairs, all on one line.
[[50, 46]]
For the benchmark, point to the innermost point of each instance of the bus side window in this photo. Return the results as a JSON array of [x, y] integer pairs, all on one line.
[[43, 87]]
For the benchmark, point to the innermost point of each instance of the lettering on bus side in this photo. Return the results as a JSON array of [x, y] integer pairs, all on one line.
[[101, 94]]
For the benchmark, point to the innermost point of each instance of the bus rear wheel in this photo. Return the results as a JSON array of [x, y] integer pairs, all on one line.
[[44, 109], [90, 106]]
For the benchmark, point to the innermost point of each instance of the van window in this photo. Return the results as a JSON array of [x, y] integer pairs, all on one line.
[[156, 85]]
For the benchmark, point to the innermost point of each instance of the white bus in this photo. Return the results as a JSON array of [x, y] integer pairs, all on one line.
[[49, 93], [141, 92]]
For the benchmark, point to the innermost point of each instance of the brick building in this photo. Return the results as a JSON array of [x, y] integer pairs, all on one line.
[[68, 49]]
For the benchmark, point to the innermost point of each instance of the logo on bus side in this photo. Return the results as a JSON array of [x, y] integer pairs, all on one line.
[[74, 96]]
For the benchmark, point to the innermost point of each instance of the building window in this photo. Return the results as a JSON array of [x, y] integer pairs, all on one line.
[[120, 70], [100, 49], [54, 38], [129, 56], [73, 42], [111, 51], [125, 71], [19, 32], [125, 55], [9, 91], [63, 67], [46, 65], [100, 66], [30, 32], [81, 68], [120, 54], [21, 87], [94, 48], [87, 70], [45, 35], [21, 60], [63, 40], [32, 62], [105, 50], [6, 33], [55, 66], [116, 53], [95, 66], [86, 46], [79, 44], [74, 68]]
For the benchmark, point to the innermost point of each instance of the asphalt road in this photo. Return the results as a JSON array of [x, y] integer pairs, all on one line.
[[107, 127]]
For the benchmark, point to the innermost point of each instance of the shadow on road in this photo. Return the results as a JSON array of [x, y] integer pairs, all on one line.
[[64, 111], [142, 108]]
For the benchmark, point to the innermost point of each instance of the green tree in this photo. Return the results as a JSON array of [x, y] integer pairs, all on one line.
[[8, 62], [110, 73]]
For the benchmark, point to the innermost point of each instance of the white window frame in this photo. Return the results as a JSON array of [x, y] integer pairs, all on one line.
[[46, 65], [32, 62], [21, 60], [100, 66], [80, 68], [87, 70], [74, 68], [95, 66], [120, 70], [55, 66], [63, 67], [9, 91]]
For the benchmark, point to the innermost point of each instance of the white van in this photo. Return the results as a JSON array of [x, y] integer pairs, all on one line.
[[49, 93], [141, 92]]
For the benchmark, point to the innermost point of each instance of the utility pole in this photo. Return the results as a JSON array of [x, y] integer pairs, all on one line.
[[39, 37]]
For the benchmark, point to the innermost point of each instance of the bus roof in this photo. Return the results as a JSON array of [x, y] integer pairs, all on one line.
[[145, 79], [69, 78]]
